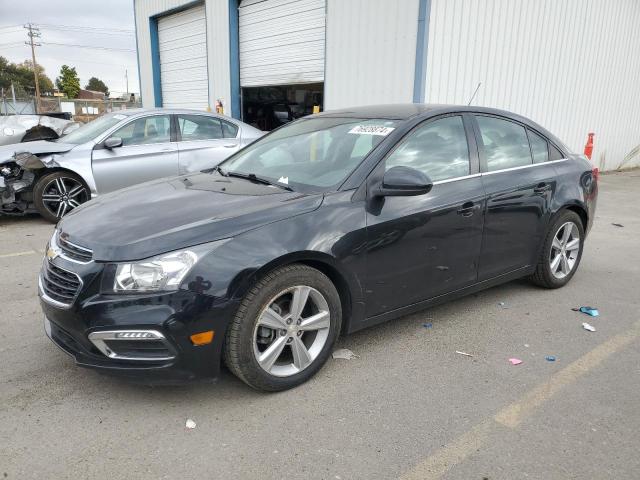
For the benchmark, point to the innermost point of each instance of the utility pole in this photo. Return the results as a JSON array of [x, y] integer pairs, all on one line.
[[126, 77], [34, 32]]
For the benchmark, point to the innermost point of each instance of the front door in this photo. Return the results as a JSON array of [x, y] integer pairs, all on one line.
[[519, 194], [147, 153], [204, 141], [423, 246]]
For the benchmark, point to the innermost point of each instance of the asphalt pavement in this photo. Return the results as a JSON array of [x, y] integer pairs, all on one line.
[[408, 407]]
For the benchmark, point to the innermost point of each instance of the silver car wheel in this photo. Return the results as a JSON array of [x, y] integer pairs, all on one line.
[[291, 331], [63, 194], [565, 249]]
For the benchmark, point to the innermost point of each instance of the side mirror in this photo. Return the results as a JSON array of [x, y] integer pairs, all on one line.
[[112, 142], [404, 182]]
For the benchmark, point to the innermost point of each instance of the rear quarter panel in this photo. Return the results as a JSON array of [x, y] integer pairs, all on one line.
[[576, 186]]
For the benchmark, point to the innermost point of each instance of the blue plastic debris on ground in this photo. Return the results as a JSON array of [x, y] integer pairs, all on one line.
[[427, 325], [550, 358], [592, 311]]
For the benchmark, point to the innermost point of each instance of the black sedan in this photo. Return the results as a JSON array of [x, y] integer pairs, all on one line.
[[328, 225]]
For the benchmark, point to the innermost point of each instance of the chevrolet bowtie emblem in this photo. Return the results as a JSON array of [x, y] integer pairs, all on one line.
[[51, 253]]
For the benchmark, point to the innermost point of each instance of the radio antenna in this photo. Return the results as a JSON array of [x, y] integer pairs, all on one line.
[[474, 93]]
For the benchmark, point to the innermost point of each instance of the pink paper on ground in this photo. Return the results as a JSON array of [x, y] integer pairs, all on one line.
[[515, 361]]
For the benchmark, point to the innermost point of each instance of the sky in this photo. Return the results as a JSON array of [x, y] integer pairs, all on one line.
[[108, 24]]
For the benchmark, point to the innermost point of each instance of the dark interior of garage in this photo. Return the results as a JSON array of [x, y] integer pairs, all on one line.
[[269, 107]]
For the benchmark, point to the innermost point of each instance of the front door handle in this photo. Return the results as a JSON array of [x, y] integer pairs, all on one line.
[[541, 188], [232, 145], [467, 209]]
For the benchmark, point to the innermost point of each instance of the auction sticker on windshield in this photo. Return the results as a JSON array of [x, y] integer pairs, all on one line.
[[372, 130]]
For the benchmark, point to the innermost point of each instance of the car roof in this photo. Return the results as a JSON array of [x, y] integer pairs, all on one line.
[[407, 111], [142, 111]]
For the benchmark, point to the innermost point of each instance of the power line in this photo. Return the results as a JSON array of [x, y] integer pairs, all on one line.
[[94, 47], [14, 44], [89, 31], [81, 27], [10, 26]]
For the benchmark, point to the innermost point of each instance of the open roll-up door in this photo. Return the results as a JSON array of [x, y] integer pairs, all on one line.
[[182, 44], [281, 42]]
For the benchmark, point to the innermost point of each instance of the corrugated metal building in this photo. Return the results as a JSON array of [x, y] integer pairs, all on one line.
[[571, 65]]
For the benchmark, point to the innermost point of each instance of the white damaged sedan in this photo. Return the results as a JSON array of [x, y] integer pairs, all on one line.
[[114, 151]]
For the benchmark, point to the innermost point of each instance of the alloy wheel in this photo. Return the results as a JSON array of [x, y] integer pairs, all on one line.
[[291, 331], [63, 194], [565, 249]]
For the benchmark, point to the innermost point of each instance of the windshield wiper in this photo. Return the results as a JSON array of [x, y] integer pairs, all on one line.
[[218, 169], [254, 178]]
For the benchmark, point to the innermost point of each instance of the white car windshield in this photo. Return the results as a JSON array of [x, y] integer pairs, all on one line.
[[93, 129], [311, 154]]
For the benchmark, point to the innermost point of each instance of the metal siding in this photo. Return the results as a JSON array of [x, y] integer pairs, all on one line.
[[371, 52], [281, 42], [182, 46], [572, 66], [217, 46]]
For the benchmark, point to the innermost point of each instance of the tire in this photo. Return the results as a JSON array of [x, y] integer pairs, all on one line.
[[48, 187], [248, 337], [545, 275]]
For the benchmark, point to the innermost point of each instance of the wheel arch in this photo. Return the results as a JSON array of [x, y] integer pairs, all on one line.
[[580, 210], [346, 284], [39, 129]]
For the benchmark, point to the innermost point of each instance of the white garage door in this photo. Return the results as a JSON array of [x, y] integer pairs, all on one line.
[[182, 39], [281, 42]]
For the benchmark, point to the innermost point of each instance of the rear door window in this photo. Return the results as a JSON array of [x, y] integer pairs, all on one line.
[[539, 147], [505, 143], [437, 148], [229, 130], [199, 127]]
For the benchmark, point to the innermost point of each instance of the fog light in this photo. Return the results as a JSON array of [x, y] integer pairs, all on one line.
[[202, 338], [135, 335]]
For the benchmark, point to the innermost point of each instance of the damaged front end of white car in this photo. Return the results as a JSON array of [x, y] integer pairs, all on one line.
[[33, 179]]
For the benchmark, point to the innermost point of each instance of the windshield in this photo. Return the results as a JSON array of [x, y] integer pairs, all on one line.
[[93, 129], [311, 154]]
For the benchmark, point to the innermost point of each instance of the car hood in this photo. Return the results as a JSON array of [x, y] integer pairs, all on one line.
[[173, 213], [40, 147]]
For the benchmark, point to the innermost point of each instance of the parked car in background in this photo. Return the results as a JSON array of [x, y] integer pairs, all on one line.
[[29, 128], [328, 225], [114, 151]]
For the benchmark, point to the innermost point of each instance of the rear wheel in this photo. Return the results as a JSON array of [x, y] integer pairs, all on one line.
[[561, 252], [57, 193], [284, 329]]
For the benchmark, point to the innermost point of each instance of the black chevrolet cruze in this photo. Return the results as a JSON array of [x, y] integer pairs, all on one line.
[[333, 223]]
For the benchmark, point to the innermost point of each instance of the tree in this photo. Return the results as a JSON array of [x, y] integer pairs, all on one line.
[[21, 75], [97, 85], [68, 81]]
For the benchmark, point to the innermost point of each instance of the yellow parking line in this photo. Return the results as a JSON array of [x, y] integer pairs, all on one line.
[[512, 416], [18, 254]]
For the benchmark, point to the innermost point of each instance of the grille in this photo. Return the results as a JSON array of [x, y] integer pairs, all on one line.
[[59, 284], [74, 251]]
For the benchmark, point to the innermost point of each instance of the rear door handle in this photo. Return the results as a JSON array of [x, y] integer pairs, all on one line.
[[542, 188], [467, 209]]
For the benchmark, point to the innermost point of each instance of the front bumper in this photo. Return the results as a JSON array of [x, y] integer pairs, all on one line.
[[174, 317]]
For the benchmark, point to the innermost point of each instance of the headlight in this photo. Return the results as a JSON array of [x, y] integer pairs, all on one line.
[[161, 273]]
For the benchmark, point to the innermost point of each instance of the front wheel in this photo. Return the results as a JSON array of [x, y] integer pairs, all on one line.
[[285, 329], [561, 253], [57, 193]]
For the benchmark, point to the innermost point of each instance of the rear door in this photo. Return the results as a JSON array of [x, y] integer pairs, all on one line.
[[147, 152], [419, 247], [519, 194], [204, 141]]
